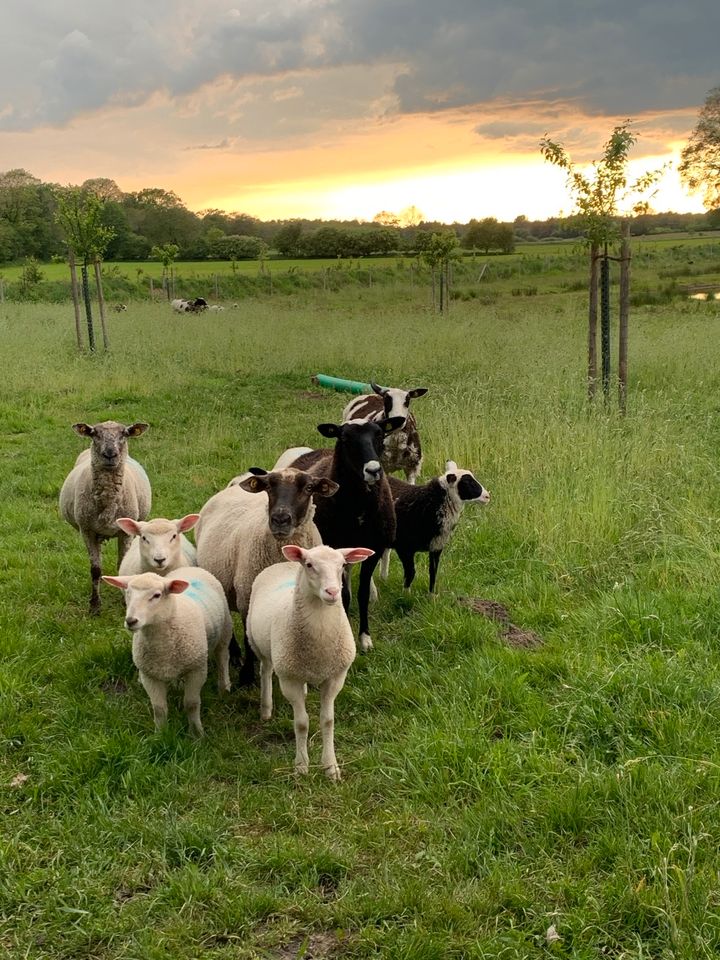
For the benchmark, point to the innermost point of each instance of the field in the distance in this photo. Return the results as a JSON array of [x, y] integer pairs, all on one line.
[[489, 792]]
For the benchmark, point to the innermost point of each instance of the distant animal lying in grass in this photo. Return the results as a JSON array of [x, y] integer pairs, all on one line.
[[189, 306]]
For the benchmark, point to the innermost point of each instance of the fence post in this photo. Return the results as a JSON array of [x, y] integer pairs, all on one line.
[[592, 322]]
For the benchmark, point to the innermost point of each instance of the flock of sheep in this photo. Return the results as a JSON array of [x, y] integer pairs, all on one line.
[[275, 547]]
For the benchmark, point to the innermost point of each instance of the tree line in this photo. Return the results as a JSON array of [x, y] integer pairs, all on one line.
[[149, 218]]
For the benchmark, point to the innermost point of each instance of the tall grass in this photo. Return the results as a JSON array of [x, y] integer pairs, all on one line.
[[489, 792]]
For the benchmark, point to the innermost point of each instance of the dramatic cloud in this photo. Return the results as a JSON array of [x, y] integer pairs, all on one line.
[[612, 58]]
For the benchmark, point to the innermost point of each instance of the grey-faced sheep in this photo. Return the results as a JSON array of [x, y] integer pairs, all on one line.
[[177, 622], [299, 630], [428, 513], [158, 546], [243, 528], [105, 484], [362, 510], [402, 449]]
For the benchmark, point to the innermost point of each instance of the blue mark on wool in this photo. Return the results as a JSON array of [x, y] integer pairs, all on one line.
[[198, 592], [285, 585]]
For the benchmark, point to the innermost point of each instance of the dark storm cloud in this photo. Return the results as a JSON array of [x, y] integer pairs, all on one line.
[[617, 58]]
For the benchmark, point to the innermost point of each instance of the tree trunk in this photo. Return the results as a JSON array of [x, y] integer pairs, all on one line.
[[76, 299], [624, 314], [592, 322], [101, 305], [88, 306]]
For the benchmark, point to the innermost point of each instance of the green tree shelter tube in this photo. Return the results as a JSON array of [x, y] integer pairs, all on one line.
[[344, 386]]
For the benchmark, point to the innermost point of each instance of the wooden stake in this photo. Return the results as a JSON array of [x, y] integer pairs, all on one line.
[[624, 314], [75, 299], [592, 321], [101, 305]]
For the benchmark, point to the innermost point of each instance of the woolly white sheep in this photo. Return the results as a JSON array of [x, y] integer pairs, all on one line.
[[105, 484], [242, 528], [177, 622], [158, 546], [299, 629]]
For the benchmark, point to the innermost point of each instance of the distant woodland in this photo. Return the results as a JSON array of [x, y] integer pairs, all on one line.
[[153, 217]]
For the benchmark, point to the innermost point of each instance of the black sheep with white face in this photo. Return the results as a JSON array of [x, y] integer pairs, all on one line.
[[427, 514]]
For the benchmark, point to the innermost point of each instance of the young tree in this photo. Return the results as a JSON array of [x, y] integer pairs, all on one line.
[[440, 250], [79, 215], [166, 253], [700, 163], [597, 197]]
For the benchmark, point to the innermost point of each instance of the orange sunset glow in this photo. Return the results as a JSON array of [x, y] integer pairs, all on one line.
[[320, 110]]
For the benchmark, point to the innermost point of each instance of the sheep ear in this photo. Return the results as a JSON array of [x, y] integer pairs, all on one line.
[[418, 392], [187, 523], [128, 525], [176, 586], [392, 423], [257, 471], [119, 582], [329, 429], [83, 429], [356, 554], [450, 465], [451, 478], [324, 487], [255, 483], [293, 552], [136, 429], [381, 391]]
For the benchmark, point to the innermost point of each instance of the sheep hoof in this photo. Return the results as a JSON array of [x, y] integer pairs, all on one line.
[[365, 642], [301, 769], [265, 714], [333, 773]]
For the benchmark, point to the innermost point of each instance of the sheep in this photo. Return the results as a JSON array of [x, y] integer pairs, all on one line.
[[240, 533], [158, 546], [189, 306], [120, 307], [403, 450], [427, 515], [105, 484], [362, 510], [299, 630], [177, 622], [216, 307]]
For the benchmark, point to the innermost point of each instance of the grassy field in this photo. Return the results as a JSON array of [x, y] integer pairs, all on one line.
[[490, 791]]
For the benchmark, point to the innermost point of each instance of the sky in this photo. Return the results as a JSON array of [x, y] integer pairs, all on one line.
[[344, 108]]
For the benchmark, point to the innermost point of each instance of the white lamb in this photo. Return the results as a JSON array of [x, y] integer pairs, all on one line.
[[177, 622], [159, 546], [298, 628]]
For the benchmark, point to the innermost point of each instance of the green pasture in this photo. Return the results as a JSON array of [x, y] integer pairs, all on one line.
[[490, 792]]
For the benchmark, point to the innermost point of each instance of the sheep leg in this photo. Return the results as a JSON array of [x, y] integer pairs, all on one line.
[[92, 542], [124, 541], [222, 658], [191, 700], [157, 691], [385, 564], [246, 676], [366, 571], [434, 564], [346, 591], [408, 563], [328, 691], [294, 693], [266, 675]]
